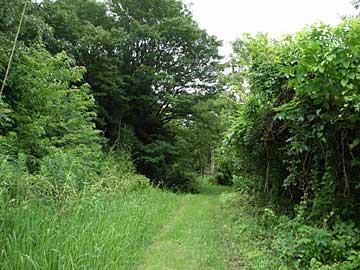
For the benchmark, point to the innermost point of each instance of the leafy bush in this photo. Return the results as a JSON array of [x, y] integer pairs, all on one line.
[[219, 178], [51, 107], [72, 169], [296, 134], [181, 180], [267, 240], [5, 119], [296, 128], [305, 246], [134, 182], [244, 183], [206, 180]]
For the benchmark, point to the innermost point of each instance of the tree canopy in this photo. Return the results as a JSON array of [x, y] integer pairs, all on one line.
[[145, 64]]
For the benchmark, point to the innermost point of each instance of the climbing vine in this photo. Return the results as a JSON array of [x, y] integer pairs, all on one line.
[[297, 127]]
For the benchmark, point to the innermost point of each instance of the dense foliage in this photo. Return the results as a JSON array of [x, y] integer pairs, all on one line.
[[98, 91], [148, 64], [135, 70], [295, 139]]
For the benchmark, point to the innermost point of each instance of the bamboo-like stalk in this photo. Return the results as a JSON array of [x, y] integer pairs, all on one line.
[[13, 49]]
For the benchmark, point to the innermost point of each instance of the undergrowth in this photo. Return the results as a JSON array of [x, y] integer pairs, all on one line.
[[267, 240], [108, 231], [81, 210]]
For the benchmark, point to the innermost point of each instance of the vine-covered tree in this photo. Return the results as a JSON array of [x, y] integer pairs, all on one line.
[[298, 126]]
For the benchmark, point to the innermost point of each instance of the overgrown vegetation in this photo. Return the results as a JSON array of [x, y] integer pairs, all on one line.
[[294, 144], [98, 92], [149, 65], [264, 239], [107, 99], [140, 72], [91, 231]]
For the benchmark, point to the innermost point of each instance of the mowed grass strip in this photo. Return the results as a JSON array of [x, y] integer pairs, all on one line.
[[192, 239]]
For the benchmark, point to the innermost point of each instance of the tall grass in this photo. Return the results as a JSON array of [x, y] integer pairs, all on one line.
[[108, 231], [80, 210]]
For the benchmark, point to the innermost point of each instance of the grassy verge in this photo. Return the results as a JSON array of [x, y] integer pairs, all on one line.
[[248, 240], [108, 231], [264, 240]]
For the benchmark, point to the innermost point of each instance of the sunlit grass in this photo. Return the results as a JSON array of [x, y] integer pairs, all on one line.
[[193, 239], [106, 232]]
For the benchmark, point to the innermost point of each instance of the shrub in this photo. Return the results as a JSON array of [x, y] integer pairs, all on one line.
[[181, 180], [268, 240], [206, 179], [245, 183], [134, 182], [71, 170], [66, 173], [305, 246], [297, 126], [229, 200], [219, 178]]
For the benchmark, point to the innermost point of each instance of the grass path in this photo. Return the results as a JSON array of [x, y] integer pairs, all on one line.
[[193, 238]]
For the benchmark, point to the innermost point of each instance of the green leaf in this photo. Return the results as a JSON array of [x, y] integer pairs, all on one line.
[[355, 163], [346, 64], [355, 143], [330, 57], [344, 82], [311, 117]]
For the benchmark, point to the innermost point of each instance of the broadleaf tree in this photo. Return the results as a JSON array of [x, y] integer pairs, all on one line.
[[147, 63]]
